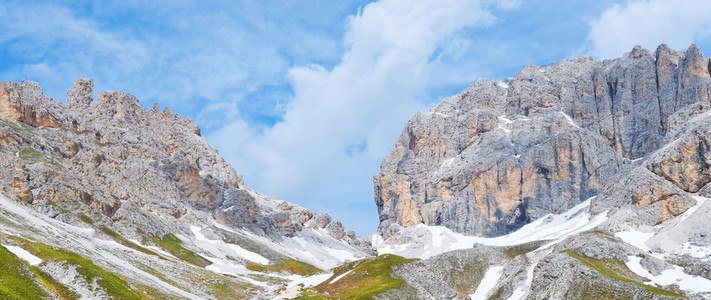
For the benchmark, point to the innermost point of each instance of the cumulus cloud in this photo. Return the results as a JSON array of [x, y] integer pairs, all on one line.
[[342, 121], [649, 23]]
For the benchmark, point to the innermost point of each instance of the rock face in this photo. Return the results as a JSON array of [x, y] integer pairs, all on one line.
[[112, 158], [24, 102], [501, 154]]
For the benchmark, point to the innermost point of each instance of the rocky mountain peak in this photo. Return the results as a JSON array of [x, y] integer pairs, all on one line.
[[112, 159], [638, 52], [695, 62], [501, 154]]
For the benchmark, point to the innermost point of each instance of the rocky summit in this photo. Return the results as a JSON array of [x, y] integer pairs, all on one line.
[[502, 154], [580, 179]]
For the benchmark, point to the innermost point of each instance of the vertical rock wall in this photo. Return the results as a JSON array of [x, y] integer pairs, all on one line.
[[503, 153]]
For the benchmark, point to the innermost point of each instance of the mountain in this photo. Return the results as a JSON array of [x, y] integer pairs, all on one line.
[[110, 199], [501, 154], [580, 179]]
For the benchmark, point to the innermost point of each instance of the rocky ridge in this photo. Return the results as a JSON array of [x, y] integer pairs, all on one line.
[[114, 158]]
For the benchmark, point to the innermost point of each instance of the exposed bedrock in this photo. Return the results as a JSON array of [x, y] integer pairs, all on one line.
[[501, 154]]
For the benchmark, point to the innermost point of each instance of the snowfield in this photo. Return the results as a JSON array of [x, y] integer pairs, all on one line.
[[426, 241]]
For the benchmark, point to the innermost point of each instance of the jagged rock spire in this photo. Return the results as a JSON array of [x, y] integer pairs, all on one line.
[[81, 95]]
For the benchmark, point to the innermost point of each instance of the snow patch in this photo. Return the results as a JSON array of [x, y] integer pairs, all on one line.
[[24, 255], [522, 290], [231, 208], [502, 84], [233, 270], [437, 114], [437, 234], [491, 277], [309, 246], [636, 238], [320, 249], [569, 119], [703, 253], [248, 255], [312, 280], [505, 119], [676, 275], [219, 248]]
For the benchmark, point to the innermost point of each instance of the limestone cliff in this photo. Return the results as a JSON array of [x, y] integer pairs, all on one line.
[[501, 154]]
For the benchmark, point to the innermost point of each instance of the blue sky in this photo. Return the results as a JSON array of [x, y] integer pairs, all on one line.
[[305, 98]]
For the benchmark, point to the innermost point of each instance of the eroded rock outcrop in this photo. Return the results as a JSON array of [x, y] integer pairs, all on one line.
[[501, 154], [24, 102]]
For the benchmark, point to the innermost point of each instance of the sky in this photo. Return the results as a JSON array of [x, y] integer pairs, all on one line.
[[305, 98]]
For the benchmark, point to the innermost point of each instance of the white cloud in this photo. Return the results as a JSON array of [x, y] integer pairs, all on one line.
[[343, 121], [677, 23]]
